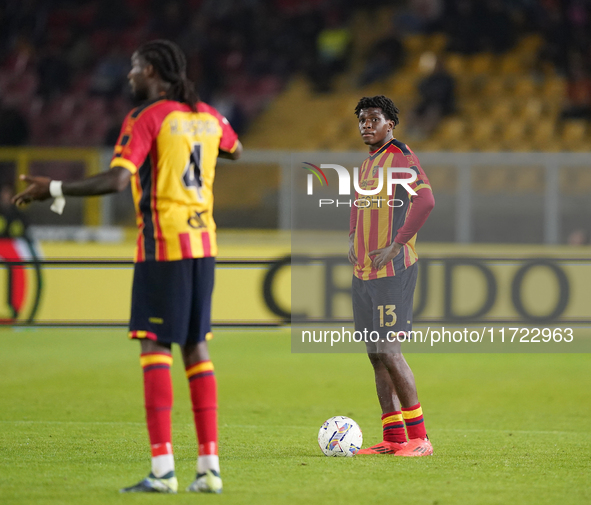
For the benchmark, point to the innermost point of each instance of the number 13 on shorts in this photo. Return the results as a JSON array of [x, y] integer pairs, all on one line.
[[389, 312]]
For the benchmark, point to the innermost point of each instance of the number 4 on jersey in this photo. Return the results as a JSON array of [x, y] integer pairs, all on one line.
[[192, 178]]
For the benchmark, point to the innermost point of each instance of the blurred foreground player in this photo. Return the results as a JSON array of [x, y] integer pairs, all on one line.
[[382, 250], [168, 148]]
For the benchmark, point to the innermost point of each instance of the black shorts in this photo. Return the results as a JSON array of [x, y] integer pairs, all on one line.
[[385, 305], [171, 300]]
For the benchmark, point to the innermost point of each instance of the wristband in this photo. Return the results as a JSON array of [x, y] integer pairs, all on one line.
[[55, 190]]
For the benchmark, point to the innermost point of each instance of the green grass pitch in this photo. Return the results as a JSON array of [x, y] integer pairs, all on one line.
[[507, 429]]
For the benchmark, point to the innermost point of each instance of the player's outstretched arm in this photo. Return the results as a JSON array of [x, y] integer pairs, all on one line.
[[113, 180], [232, 156]]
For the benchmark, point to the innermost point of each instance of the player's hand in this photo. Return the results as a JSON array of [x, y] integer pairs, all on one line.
[[385, 255], [38, 189], [352, 255]]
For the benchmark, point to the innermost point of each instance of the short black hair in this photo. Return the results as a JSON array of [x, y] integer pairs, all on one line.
[[170, 63], [379, 101]]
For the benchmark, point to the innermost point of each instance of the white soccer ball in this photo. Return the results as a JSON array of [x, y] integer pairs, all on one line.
[[340, 436]]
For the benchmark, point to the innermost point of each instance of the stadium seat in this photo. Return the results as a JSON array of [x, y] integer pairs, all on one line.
[[415, 44], [484, 135], [482, 63], [511, 64], [543, 137], [554, 88], [513, 135], [471, 108], [502, 110], [524, 88], [573, 135], [455, 64], [451, 130], [437, 42], [530, 110], [403, 86], [494, 87]]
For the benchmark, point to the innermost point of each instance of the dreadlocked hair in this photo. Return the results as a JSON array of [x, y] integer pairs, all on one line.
[[169, 61], [380, 101]]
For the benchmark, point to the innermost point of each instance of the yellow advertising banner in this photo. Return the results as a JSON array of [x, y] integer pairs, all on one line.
[[455, 284]]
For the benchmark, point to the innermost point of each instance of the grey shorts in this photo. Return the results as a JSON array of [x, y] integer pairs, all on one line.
[[384, 306]]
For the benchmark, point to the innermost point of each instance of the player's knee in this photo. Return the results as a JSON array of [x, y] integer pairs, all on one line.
[[374, 359], [148, 345], [388, 359], [194, 353]]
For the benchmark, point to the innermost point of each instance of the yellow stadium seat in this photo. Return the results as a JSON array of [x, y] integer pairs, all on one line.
[[472, 108], [415, 44], [466, 85], [574, 135], [543, 136], [524, 88], [502, 110], [494, 87], [514, 136], [437, 42], [484, 135], [482, 63], [554, 88], [403, 86], [530, 110], [455, 63], [529, 44], [511, 64], [451, 129]]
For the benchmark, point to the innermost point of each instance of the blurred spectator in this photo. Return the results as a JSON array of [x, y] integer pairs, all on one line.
[[498, 29], [437, 95], [14, 130], [385, 57], [555, 32], [230, 109], [420, 16], [333, 47], [578, 99], [463, 22], [109, 77], [170, 19], [112, 14], [79, 52], [53, 71]]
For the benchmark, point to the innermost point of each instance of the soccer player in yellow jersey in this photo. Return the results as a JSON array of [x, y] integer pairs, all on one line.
[[167, 149], [382, 252]]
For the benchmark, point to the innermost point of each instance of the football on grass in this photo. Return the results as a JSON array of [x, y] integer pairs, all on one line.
[[340, 436]]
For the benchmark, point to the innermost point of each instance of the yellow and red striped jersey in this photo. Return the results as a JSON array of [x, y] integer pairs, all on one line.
[[376, 224], [171, 152]]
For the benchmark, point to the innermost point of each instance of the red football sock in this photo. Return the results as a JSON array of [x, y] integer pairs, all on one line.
[[158, 400], [393, 427], [413, 418], [204, 397]]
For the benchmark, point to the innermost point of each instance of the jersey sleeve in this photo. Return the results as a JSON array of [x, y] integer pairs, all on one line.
[[134, 143], [229, 139], [422, 181], [422, 205]]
